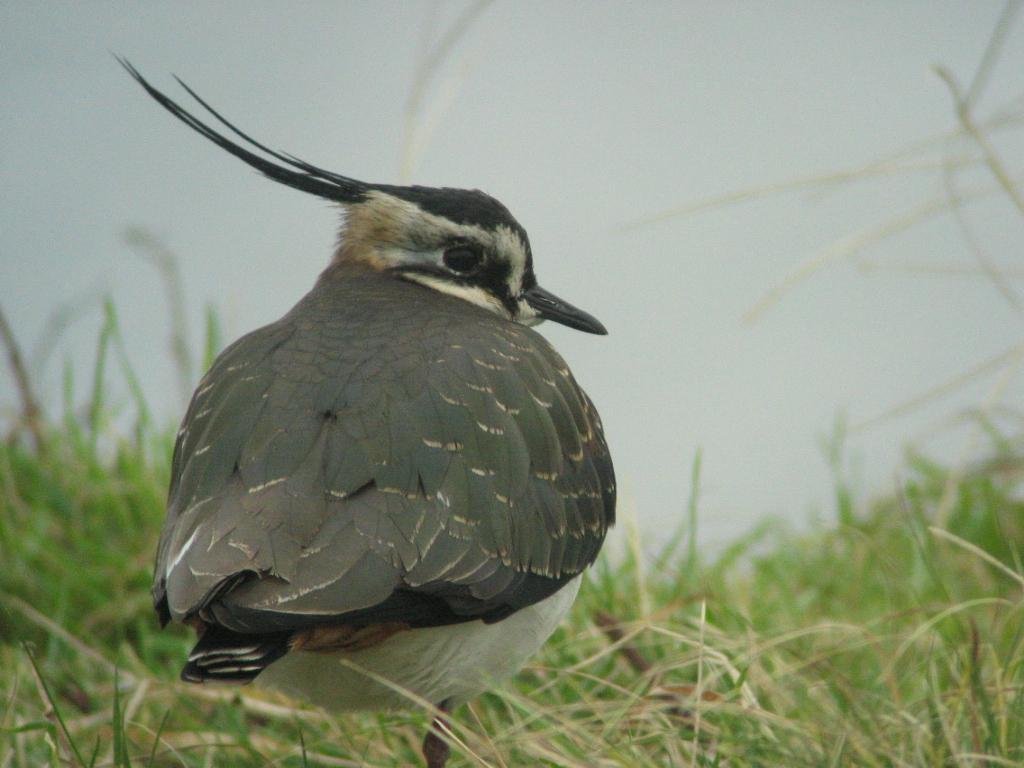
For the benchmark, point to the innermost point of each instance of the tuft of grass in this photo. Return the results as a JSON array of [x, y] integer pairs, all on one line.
[[880, 640]]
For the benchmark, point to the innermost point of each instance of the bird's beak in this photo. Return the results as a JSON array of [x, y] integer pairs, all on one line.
[[550, 307]]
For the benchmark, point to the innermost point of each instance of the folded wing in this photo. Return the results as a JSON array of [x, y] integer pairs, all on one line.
[[424, 479]]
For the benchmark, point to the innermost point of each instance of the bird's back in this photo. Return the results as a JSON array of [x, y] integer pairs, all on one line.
[[381, 455]]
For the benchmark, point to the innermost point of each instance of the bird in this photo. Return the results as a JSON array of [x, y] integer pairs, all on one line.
[[390, 494]]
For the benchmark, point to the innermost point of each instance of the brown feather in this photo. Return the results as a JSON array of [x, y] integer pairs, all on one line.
[[344, 637]]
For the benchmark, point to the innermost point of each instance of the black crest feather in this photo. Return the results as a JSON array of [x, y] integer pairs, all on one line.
[[301, 175], [462, 206]]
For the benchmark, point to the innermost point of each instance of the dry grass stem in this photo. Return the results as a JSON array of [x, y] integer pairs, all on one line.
[[31, 414], [419, 125], [856, 242]]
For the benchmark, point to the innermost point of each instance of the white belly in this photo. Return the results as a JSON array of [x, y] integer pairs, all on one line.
[[451, 663]]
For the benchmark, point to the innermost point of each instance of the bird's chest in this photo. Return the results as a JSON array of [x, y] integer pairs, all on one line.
[[451, 663]]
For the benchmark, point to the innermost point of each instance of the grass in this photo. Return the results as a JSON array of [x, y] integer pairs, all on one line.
[[893, 637], [880, 641], [885, 639]]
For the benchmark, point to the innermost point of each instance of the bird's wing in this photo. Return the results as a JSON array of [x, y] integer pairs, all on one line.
[[453, 475]]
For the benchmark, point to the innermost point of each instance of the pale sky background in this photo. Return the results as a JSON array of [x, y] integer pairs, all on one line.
[[581, 118]]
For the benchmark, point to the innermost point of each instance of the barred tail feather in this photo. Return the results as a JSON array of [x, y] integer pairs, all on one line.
[[232, 657]]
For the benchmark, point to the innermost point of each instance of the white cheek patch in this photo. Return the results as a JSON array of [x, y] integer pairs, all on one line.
[[527, 315], [507, 243], [471, 293]]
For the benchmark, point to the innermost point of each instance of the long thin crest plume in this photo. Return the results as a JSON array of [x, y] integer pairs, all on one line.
[[308, 178]]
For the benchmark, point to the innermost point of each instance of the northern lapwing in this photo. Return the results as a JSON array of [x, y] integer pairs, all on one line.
[[390, 493]]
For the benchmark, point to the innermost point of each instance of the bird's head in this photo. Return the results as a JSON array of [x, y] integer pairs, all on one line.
[[457, 241], [460, 242]]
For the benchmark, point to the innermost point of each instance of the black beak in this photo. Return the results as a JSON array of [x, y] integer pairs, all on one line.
[[550, 307]]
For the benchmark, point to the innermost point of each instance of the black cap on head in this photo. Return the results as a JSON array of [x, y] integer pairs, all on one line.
[[462, 206]]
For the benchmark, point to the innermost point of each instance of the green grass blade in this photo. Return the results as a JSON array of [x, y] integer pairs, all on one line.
[[51, 702]]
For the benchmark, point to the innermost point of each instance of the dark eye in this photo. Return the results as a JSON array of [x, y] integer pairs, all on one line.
[[462, 258]]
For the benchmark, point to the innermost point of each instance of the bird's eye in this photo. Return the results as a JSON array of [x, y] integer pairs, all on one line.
[[462, 258]]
